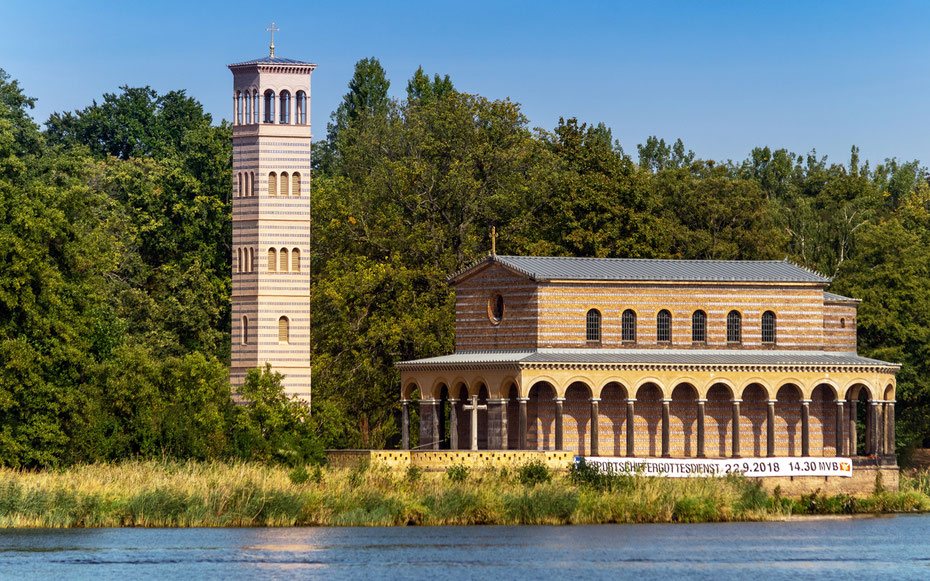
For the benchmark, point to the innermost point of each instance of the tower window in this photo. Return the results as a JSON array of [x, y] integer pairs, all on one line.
[[239, 260], [251, 191], [734, 327], [245, 330], [269, 106], [593, 326], [295, 184], [284, 331], [239, 191], [628, 322], [255, 103], [252, 264], [664, 326], [284, 183], [301, 109], [238, 108], [272, 184], [272, 260], [768, 327], [699, 327], [283, 254], [295, 260], [285, 107], [842, 323]]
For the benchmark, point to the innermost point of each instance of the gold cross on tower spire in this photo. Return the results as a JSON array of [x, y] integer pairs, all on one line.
[[272, 29], [493, 241]]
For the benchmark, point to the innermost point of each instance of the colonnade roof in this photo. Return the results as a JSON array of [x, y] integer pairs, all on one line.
[[270, 60], [651, 357]]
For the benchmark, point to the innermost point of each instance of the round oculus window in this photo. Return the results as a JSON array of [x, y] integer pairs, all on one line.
[[496, 308]]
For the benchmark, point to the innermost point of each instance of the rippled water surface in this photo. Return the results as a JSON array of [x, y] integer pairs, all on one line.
[[861, 548]]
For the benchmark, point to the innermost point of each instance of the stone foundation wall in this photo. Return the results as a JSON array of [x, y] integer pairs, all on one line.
[[862, 482]]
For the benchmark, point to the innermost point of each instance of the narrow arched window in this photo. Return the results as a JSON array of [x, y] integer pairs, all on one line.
[[628, 323], [239, 108], [245, 330], [255, 105], [272, 260], [734, 327], [699, 327], [284, 331], [250, 177], [272, 184], [301, 109], [295, 260], [239, 191], [238, 260], [284, 183], [248, 184], [252, 265], [285, 107], [593, 326], [248, 108], [664, 326], [269, 106], [768, 327], [295, 184], [283, 255]]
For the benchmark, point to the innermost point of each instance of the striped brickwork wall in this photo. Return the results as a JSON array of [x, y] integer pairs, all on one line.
[[612, 421], [823, 422], [562, 308], [264, 219], [839, 326], [576, 419], [718, 423], [647, 422], [475, 327], [788, 422], [683, 422], [753, 412]]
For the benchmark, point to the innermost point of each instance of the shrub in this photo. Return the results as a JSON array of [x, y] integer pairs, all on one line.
[[299, 475], [414, 473], [533, 473], [457, 473]]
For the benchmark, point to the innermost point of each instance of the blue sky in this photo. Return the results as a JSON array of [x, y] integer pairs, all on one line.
[[723, 76]]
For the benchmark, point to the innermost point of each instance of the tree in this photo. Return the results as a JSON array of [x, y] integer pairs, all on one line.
[[421, 89]]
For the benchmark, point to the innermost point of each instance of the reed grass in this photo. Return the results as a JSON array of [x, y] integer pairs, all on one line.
[[231, 494]]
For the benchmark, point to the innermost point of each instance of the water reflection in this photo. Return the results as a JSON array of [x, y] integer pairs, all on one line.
[[821, 549]]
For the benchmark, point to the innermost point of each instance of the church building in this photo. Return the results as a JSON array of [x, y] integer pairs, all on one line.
[[652, 358], [271, 220]]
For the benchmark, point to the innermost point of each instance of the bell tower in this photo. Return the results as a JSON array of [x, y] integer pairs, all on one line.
[[271, 219]]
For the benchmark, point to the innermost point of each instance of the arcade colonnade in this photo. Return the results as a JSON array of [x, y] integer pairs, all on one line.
[[653, 410]]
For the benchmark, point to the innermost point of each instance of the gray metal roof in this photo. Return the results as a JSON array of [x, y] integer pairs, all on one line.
[[834, 297], [271, 61], [642, 269], [651, 356]]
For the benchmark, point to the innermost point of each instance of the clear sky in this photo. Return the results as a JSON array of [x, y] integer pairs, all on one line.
[[723, 76]]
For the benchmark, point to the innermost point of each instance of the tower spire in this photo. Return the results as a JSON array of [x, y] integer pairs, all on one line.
[[272, 29]]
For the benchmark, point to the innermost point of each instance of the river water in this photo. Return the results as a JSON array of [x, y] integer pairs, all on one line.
[[857, 548]]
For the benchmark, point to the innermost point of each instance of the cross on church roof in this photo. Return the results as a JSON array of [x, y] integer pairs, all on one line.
[[272, 29]]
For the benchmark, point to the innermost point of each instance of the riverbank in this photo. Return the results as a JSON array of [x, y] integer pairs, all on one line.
[[217, 494]]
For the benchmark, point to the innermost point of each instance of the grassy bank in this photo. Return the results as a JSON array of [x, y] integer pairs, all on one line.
[[167, 494]]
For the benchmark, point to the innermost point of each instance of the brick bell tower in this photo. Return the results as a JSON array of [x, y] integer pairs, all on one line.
[[271, 219]]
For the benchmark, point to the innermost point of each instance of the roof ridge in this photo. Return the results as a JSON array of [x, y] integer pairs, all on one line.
[[701, 260]]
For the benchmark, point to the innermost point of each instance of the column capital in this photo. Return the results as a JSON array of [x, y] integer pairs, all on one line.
[[404, 401], [523, 399], [595, 400], [630, 400], [702, 400], [873, 402], [772, 401], [497, 400], [559, 399], [453, 403], [666, 400], [840, 402], [736, 401], [806, 402]]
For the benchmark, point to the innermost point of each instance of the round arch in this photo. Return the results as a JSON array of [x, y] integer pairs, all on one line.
[[536, 381], [408, 389], [576, 381], [612, 380], [889, 393], [855, 386], [649, 381], [474, 387], [756, 381], [718, 381]]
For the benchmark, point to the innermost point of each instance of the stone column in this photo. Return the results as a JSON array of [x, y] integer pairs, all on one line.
[[841, 440], [700, 428], [496, 427], [805, 427], [872, 430], [735, 433], [630, 427], [453, 425], [770, 429], [890, 445], [435, 437], [426, 423], [594, 427], [666, 428], [558, 422], [523, 422], [880, 429], [405, 424], [851, 432]]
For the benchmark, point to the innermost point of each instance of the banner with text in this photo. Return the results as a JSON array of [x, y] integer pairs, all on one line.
[[755, 467]]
